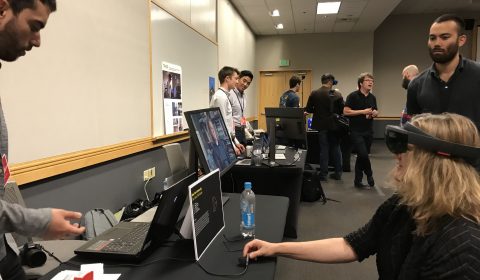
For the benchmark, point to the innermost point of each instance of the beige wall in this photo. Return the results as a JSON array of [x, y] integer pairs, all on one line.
[[399, 41], [198, 14], [236, 48], [343, 54]]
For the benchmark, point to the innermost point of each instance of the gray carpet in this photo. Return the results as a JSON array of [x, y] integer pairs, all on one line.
[[334, 219]]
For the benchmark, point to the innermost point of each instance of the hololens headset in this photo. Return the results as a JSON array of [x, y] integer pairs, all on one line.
[[397, 139]]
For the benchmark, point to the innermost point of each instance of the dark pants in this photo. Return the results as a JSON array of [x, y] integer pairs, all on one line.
[[323, 144], [10, 267], [346, 148], [362, 141], [240, 134], [335, 153]]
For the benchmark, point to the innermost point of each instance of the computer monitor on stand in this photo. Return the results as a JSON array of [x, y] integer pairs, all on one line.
[[210, 141], [285, 126]]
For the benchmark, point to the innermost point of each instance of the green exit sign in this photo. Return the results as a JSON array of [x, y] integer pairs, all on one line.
[[284, 62]]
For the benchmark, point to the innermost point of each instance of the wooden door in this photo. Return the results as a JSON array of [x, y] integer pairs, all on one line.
[[273, 84]]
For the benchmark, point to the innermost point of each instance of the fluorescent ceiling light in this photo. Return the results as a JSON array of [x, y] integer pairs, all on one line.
[[324, 8], [275, 13], [279, 26]]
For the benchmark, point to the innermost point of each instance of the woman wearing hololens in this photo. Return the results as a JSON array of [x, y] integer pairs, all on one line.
[[429, 229]]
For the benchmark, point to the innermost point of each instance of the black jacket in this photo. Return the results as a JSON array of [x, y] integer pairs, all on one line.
[[320, 105]]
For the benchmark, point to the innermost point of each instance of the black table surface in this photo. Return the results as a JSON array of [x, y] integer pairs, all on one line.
[[284, 179], [176, 259]]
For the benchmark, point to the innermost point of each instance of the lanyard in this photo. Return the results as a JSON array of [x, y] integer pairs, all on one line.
[[241, 103]]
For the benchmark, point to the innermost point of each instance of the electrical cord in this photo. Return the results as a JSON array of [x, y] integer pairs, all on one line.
[[225, 275], [50, 254], [145, 188]]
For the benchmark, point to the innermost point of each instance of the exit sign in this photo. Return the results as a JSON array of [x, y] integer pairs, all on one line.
[[284, 62]]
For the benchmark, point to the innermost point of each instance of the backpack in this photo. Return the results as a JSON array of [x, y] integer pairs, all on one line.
[[312, 188], [97, 221]]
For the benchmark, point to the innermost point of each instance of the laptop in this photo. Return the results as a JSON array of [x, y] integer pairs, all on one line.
[[133, 241], [206, 221]]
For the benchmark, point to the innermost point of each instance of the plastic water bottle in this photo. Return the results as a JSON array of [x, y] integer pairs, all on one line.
[[247, 208]]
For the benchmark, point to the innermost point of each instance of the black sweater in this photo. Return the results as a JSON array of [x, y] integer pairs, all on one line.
[[451, 252]]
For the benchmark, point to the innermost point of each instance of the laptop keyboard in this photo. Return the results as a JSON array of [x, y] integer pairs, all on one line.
[[130, 242]]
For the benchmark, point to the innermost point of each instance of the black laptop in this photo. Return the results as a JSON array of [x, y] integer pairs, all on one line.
[[135, 240]]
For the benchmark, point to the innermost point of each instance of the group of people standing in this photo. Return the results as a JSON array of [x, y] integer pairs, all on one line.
[[430, 227], [230, 99]]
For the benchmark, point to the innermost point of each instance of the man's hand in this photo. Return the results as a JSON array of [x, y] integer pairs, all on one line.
[[367, 111], [374, 113], [258, 248], [241, 148], [60, 226], [237, 151]]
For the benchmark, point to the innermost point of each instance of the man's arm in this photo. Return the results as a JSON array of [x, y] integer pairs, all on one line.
[[45, 222], [347, 111]]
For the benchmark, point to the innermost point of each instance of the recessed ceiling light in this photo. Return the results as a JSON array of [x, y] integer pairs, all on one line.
[[279, 26], [324, 8], [275, 13]]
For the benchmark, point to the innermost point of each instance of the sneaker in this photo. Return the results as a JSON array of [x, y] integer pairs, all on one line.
[[323, 178], [335, 176], [370, 181], [360, 185]]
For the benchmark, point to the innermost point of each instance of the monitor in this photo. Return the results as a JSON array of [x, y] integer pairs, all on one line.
[[211, 140], [287, 126]]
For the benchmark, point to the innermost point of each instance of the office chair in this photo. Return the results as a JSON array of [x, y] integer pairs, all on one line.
[[175, 158]]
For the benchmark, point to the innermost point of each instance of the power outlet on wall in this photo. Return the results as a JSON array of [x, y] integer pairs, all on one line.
[[148, 174]]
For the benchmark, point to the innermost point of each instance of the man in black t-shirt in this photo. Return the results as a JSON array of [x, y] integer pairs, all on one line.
[[361, 108], [452, 83]]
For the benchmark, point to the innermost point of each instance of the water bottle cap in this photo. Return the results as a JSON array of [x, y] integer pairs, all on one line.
[[247, 185]]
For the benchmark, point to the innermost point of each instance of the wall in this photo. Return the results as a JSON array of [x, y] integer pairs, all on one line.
[[345, 55], [399, 41], [236, 47]]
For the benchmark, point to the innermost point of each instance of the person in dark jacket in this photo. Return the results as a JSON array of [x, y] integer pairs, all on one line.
[[429, 229]]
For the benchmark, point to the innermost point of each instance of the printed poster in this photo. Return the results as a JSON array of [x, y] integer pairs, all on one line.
[[211, 88], [172, 97]]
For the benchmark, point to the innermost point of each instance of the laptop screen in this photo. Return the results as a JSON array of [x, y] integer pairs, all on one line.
[[206, 211], [168, 209]]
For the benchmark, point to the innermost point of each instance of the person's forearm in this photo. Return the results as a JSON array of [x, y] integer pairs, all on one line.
[[351, 113], [333, 250]]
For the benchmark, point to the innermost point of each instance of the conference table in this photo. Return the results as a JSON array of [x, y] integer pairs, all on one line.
[[284, 179], [176, 259]]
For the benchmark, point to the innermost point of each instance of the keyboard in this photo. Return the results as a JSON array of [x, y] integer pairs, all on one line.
[[130, 242]]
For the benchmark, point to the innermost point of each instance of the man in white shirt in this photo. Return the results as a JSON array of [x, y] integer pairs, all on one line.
[[237, 99], [228, 78]]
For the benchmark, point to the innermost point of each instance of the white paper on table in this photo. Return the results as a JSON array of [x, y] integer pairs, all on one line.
[[280, 156], [97, 269]]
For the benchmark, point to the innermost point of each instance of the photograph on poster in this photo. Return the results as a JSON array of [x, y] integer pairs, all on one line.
[[211, 88], [172, 88]]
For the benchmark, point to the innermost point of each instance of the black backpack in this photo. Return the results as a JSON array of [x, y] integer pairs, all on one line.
[[312, 188]]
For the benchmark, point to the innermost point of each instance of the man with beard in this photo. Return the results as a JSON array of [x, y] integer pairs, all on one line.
[[20, 24], [452, 84], [408, 73], [237, 100]]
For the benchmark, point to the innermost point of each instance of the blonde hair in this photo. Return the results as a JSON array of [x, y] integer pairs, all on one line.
[[435, 186]]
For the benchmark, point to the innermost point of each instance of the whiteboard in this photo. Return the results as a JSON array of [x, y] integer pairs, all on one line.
[[176, 43], [87, 86]]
